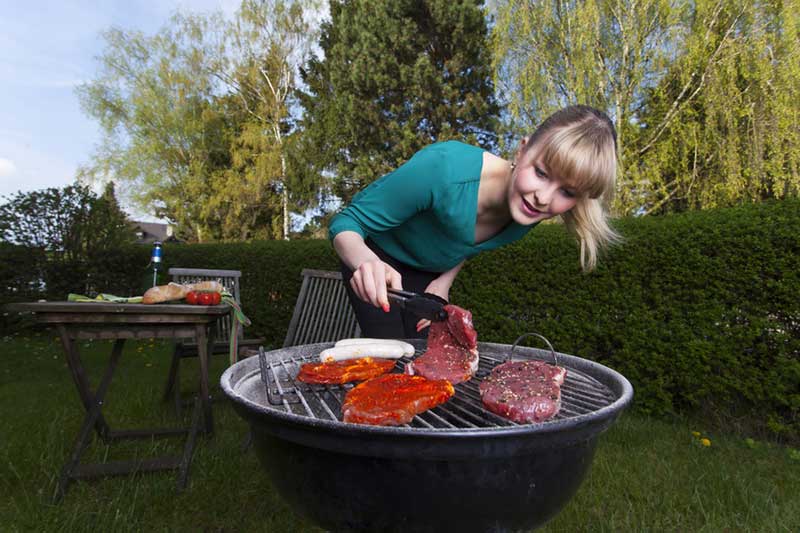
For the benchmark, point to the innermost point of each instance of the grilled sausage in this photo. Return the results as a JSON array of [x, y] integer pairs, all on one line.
[[355, 351], [407, 348]]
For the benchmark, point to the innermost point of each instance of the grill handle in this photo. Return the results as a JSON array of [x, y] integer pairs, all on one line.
[[262, 363], [552, 351]]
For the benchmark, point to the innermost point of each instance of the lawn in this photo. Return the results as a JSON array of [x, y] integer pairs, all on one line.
[[648, 475]]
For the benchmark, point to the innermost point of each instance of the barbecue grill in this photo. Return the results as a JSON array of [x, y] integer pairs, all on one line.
[[455, 467]]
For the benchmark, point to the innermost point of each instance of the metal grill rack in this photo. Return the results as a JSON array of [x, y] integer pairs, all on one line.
[[580, 394]]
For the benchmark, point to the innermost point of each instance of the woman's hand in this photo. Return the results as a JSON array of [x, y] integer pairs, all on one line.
[[370, 279], [441, 288]]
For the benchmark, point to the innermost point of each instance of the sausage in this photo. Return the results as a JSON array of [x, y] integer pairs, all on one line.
[[354, 351], [407, 348]]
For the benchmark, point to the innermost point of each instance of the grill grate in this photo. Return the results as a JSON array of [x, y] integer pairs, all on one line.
[[580, 394]]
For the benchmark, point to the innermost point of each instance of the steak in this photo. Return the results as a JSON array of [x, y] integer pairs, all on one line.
[[338, 372], [523, 391], [393, 399], [452, 352]]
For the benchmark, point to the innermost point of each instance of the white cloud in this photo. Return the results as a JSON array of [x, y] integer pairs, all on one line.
[[7, 168]]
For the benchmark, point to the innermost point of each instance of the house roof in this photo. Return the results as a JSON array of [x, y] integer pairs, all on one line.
[[149, 232]]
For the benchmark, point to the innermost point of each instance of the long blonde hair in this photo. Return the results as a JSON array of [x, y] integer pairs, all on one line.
[[579, 144]]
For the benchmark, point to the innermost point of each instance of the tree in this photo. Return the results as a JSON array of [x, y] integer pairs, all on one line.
[[602, 53], [263, 48], [738, 139], [194, 118], [162, 137], [704, 94], [68, 224], [394, 77]]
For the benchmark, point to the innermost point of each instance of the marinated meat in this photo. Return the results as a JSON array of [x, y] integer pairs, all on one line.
[[393, 399], [452, 352], [338, 372], [523, 391]]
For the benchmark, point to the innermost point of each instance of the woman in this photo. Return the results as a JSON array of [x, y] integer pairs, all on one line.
[[413, 228]]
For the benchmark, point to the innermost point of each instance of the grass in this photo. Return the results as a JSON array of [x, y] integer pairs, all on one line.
[[647, 475]]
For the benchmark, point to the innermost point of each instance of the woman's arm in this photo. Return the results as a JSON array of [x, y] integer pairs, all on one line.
[[441, 285], [370, 274]]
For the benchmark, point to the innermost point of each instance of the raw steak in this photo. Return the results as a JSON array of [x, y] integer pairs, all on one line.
[[452, 352], [393, 399], [523, 391], [338, 372]]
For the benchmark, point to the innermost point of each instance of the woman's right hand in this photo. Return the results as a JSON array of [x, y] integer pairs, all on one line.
[[370, 280]]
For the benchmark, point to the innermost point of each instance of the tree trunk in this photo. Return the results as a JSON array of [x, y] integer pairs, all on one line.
[[285, 194]]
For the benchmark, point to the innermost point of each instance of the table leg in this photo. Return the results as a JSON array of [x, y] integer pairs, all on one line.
[[93, 416], [203, 349], [79, 377]]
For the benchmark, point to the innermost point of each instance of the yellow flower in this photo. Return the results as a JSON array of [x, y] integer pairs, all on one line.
[[705, 442], [696, 434]]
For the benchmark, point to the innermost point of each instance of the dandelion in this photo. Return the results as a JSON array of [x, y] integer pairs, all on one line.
[[696, 434], [705, 442]]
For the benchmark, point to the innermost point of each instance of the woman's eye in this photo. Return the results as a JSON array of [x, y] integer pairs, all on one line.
[[568, 193], [539, 172]]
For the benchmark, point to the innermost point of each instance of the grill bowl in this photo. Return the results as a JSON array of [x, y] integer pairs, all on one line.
[[455, 467]]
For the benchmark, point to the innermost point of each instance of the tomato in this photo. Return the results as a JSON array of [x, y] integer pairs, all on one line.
[[205, 298], [216, 298], [191, 298]]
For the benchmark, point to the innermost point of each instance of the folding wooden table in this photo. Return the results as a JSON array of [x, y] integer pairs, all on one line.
[[119, 322]]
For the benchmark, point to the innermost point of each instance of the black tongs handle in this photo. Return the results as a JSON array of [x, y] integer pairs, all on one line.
[[424, 305]]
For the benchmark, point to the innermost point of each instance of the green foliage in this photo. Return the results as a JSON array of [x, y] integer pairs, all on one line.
[[705, 94], [193, 118], [395, 76], [550, 54], [736, 139], [162, 137], [698, 310], [68, 234]]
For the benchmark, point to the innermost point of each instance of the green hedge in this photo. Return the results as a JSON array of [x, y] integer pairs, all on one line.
[[699, 310]]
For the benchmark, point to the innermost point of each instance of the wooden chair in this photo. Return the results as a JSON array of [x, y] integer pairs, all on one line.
[[224, 326], [322, 312]]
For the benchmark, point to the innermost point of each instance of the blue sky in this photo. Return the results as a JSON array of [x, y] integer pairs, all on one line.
[[47, 48]]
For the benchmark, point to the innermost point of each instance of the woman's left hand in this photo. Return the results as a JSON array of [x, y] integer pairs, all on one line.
[[440, 289]]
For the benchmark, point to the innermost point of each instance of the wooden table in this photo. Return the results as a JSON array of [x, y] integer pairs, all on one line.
[[119, 322]]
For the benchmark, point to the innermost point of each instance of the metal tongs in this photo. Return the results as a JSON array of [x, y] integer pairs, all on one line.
[[424, 305]]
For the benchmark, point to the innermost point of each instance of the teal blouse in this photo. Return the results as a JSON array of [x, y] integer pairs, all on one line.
[[423, 214]]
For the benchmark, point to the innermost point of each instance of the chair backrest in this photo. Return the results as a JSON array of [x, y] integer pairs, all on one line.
[[322, 312], [229, 280]]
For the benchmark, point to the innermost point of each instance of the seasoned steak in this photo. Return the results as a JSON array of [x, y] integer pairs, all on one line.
[[393, 399], [523, 391], [452, 352], [339, 372]]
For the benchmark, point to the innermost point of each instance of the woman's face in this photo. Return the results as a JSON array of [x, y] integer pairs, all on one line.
[[536, 193]]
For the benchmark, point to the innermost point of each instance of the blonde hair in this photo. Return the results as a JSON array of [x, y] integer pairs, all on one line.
[[579, 144]]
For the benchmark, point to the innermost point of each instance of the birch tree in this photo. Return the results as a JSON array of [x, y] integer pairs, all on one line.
[[259, 60]]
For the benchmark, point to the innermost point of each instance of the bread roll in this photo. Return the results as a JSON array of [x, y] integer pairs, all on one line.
[[164, 293]]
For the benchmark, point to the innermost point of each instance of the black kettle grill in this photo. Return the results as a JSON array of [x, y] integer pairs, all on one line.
[[456, 467]]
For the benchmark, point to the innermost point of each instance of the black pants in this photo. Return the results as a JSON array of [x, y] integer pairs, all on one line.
[[395, 324]]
